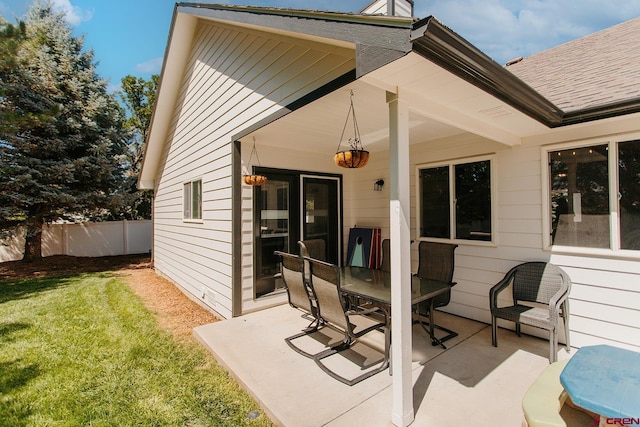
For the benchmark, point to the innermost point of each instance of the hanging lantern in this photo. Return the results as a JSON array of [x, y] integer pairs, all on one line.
[[356, 156], [252, 179]]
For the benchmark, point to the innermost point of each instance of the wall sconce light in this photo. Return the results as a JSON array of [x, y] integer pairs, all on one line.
[[377, 186]]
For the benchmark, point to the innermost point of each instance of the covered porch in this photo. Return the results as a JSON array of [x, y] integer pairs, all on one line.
[[412, 112], [469, 382]]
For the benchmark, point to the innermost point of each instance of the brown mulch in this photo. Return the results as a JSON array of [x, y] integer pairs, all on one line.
[[175, 311]]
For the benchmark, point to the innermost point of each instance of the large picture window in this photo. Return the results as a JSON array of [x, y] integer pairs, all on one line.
[[583, 188], [455, 201], [192, 200]]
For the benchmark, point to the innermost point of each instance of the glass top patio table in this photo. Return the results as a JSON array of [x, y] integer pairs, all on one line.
[[604, 380], [375, 285]]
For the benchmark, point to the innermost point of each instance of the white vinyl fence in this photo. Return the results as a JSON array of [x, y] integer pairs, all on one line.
[[93, 239]]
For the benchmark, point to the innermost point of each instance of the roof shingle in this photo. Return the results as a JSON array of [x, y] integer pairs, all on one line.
[[595, 70]]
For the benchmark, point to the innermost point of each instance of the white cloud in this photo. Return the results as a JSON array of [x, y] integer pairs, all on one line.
[[506, 29], [74, 14], [152, 66]]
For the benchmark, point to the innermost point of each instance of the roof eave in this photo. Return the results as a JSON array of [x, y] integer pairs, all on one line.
[[363, 31], [437, 43], [208, 9], [615, 109]]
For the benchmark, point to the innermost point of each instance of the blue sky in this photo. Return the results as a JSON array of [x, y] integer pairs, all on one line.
[[129, 37]]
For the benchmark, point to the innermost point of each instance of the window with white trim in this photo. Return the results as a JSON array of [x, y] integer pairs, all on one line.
[[192, 200], [455, 200], [594, 195]]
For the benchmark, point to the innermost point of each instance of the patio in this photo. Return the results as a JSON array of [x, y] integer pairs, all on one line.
[[470, 381]]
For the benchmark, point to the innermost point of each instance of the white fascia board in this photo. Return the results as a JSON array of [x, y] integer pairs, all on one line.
[[175, 60]]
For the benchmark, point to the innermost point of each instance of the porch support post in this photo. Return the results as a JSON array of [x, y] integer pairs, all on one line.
[[402, 413]]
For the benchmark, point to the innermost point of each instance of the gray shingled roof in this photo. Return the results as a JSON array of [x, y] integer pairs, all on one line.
[[594, 70]]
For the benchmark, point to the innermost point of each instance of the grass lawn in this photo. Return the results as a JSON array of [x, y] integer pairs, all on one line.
[[85, 351]]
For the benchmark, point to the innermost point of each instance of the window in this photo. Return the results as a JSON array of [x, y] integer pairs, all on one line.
[[629, 194], [455, 201], [583, 188], [193, 199]]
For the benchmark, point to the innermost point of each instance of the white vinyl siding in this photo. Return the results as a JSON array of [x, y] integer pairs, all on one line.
[[232, 80], [605, 295]]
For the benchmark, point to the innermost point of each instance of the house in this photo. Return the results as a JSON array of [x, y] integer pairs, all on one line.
[[537, 160]]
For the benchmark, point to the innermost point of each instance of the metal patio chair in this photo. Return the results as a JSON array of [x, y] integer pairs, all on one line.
[[436, 261], [300, 295], [534, 282], [354, 322], [386, 254], [313, 248]]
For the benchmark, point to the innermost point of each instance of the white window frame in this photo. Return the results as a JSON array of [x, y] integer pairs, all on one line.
[[614, 219], [187, 201], [452, 219]]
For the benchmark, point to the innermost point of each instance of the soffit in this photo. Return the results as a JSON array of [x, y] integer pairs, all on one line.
[[440, 104]]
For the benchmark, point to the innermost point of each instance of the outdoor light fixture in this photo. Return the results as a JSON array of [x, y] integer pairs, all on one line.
[[377, 186], [251, 179], [356, 156]]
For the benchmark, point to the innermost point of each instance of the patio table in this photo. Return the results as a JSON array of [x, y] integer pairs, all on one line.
[[375, 286], [604, 380]]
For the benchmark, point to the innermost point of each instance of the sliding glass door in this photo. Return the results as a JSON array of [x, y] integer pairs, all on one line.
[[292, 206], [321, 214]]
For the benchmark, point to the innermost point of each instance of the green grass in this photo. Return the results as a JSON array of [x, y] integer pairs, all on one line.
[[84, 351]]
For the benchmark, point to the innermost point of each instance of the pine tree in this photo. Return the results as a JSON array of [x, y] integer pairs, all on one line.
[[61, 153]]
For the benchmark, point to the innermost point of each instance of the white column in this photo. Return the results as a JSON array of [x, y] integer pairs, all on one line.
[[402, 412]]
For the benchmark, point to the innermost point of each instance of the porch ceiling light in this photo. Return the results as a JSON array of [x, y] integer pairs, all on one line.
[[356, 156], [253, 179]]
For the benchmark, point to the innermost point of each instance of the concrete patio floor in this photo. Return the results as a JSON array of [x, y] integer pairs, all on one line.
[[471, 382]]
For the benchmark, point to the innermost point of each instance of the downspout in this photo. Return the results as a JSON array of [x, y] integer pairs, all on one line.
[[153, 225], [236, 229]]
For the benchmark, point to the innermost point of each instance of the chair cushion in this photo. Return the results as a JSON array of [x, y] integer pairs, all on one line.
[[526, 315]]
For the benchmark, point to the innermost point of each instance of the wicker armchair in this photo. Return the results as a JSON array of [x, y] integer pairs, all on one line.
[[300, 296], [534, 282], [354, 322]]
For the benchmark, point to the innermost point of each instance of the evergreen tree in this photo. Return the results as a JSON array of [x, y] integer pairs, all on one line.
[[138, 96], [61, 153]]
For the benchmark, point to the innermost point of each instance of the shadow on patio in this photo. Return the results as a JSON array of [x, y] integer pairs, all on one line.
[[471, 381]]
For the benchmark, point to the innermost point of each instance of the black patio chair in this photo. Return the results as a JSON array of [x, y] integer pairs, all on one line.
[[354, 322], [534, 282], [386, 254], [436, 261]]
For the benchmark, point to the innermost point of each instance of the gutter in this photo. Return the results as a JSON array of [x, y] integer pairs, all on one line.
[[437, 43]]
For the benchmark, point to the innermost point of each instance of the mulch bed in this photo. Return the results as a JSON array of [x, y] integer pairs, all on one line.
[[62, 265]]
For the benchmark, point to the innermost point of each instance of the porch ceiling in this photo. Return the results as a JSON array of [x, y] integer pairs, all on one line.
[[440, 103]]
